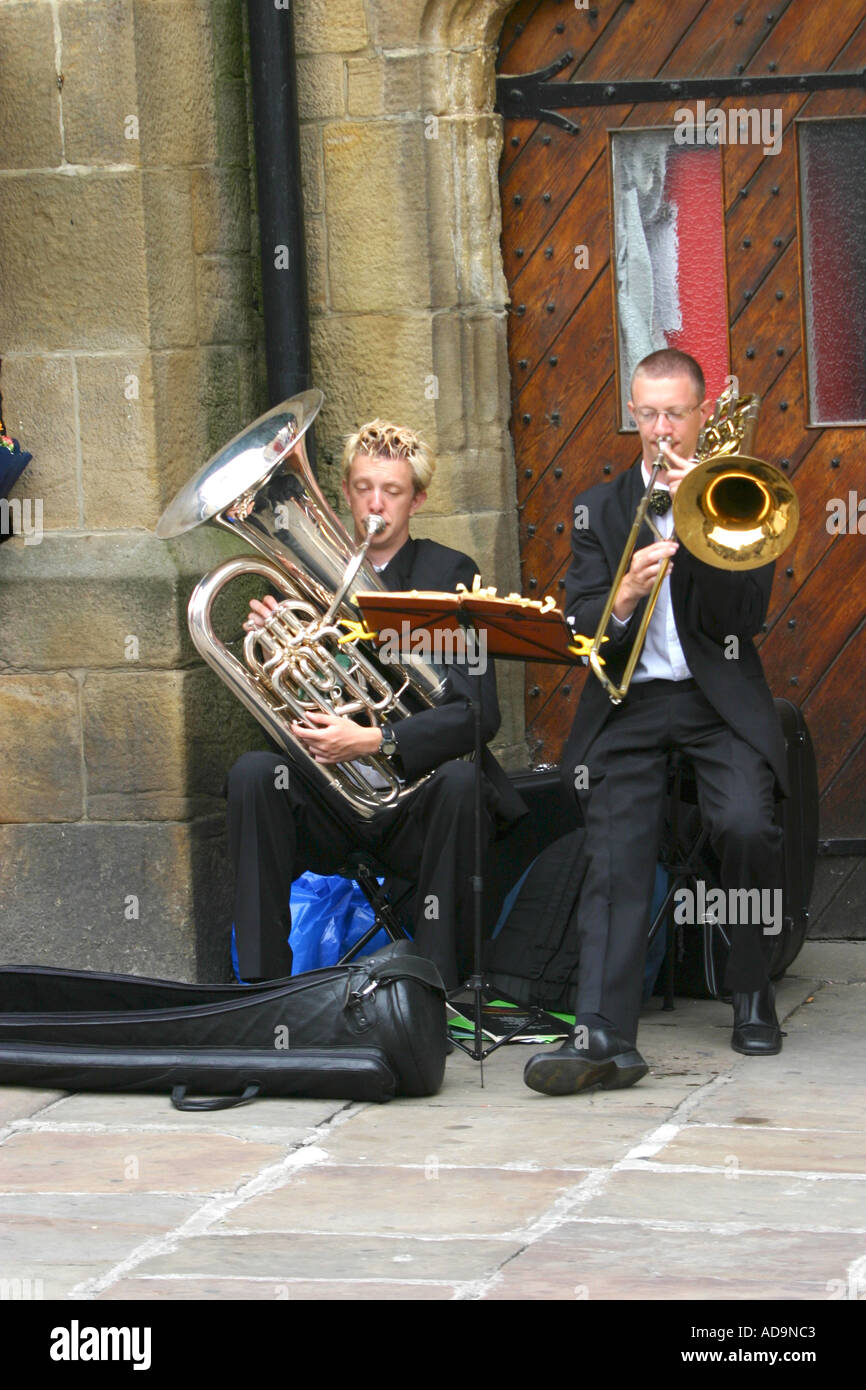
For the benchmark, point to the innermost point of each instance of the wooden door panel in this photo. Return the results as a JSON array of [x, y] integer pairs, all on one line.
[[586, 346], [841, 803], [824, 612], [837, 718], [555, 285]]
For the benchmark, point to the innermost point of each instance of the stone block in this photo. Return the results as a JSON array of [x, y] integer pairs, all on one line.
[[323, 27], [486, 536], [321, 83], [397, 23], [370, 365], [40, 749], [176, 84], [375, 179], [119, 453], [224, 299], [77, 279], [471, 80], [100, 96], [39, 406], [227, 27], [142, 899], [75, 601], [316, 234], [365, 86], [171, 280], [197, 401], [468, 481], [158, 744], [252, 378], [383, 85], [220, 205], [312, 169], [29, 99]]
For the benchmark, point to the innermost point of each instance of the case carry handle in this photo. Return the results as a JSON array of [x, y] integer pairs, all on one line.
[[181, 1101]]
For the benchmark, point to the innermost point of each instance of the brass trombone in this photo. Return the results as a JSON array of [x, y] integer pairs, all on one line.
[[732, 511]]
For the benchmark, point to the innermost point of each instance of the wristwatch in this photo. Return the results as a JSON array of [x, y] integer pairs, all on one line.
[[388, 746]]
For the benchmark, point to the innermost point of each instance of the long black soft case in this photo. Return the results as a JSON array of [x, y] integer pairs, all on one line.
[[533, 960], [364, 1031]]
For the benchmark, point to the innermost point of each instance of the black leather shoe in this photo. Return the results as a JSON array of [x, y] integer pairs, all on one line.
[[756, 1027], [605, 1060]]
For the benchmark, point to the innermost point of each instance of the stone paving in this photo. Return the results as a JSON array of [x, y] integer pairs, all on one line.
[[719, 1176]]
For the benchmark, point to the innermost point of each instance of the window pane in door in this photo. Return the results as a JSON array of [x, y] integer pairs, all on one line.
[[669, 253], [833, 220]]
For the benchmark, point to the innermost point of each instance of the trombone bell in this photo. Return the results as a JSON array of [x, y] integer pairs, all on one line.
[[736, 513]]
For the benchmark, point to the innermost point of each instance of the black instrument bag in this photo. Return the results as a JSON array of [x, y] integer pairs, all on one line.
[[364, 1031]]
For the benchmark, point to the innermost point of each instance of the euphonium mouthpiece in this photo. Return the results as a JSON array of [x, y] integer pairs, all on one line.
[[375, 524]]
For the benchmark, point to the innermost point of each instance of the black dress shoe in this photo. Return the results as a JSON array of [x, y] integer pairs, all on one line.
[[590, 1057], [756, 1027]]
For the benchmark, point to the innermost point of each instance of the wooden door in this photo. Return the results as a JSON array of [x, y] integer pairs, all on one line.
[[636, 66]]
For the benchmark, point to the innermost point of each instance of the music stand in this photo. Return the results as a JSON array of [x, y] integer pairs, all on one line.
[[513, 629]]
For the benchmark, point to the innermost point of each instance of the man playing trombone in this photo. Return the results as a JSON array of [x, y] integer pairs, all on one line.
[[698, 687]]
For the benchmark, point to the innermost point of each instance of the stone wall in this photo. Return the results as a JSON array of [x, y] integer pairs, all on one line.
[[131, 347], [131, 339]]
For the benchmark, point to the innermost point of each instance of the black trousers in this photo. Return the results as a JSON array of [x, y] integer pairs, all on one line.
[[623, 811], [277, 832]]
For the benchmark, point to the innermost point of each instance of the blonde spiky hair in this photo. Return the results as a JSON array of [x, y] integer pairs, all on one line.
[[381, 439]]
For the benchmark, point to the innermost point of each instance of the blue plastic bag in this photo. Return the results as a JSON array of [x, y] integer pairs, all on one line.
[[329, 914]]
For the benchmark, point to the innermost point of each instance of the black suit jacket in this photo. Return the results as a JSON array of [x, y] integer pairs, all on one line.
[[434, 736], [710, 606]]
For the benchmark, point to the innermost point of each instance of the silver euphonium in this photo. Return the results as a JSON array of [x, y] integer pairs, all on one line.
[[262, 488]]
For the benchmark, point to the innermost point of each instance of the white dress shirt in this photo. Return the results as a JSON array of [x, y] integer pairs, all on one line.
[[662, 656]]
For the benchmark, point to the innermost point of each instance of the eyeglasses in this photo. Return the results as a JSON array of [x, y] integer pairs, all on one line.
[[647, 416]]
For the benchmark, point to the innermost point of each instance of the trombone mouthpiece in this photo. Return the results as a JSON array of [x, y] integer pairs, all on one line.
[[375, 524]]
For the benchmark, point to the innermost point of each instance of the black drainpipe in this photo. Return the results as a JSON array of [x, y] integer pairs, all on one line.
[[281, 203]]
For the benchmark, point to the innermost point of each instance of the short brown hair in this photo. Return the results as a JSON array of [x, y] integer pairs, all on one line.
[[672, 362], [381, 439]]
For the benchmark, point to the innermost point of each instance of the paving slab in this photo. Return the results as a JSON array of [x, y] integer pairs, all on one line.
[[285, 1121], [62, 1241], [785, 1101], [581, 1260], [549, 1136], [300, 1256], [279, 1291], [763, 1149], [42, 1161], [16, 1102], [430, 1201], [733, 1197]]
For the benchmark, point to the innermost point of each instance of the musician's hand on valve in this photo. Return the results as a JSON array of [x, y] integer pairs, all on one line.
[[260, 611], [640, 576], [335, 739]]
